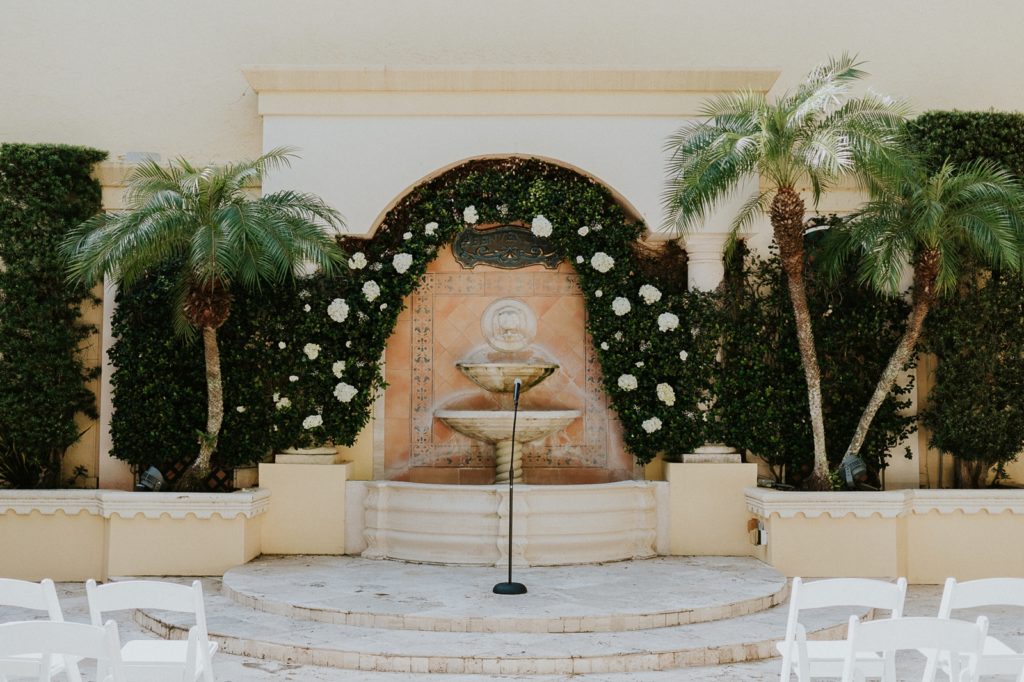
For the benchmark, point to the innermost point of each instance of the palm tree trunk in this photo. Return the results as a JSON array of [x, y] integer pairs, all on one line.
[[787, 217], [925, 273], [214, 402]]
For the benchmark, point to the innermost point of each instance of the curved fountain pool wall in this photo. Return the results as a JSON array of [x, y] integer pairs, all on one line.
[[440, 327], [554, 524]]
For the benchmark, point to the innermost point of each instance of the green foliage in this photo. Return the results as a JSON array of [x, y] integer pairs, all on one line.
[[975, 410], [963, 137], [45, 190], [761, 398], [257, 369]]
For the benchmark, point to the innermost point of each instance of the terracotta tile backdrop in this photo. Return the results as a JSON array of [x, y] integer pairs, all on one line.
[[441, 326]]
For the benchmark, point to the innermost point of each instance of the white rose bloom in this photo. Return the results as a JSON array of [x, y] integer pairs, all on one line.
[[407, 236], [276, 397], [344, 392], [312, 421], [541, 226], [683, 355], [627, 382], [311, 350], [599, 293], [651, 425], [338, 367], [383, 306], [604, 345], [293, 378], [284, 404], [470, 215], [639, 364], [348, 344], [618, 336], [650, 294], [666, 394], [401, 262], [371, 290], [602, 262], [357, 261], [337, 310], [583, 231], [430, 228], [667, 322], [240, 409], [621, 306], [579, 259], [307, 307], [282, 345]]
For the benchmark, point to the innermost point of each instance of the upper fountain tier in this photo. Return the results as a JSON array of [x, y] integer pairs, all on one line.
[[500, 377]]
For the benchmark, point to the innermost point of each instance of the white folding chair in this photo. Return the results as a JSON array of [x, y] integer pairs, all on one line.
[[959, 640], [150, 660], [71, 641], [997, 658], [40, 596], [809, 659]]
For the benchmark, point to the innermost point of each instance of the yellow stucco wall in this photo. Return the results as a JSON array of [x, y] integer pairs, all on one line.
[[307, 508], [708, 514], [57, 546]]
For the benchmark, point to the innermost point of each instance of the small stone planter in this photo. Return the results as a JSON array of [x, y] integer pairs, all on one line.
[[324, 455]]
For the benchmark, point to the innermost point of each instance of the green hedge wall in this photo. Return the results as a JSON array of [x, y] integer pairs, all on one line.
[[44, 191], [761, 391], [975, 408]]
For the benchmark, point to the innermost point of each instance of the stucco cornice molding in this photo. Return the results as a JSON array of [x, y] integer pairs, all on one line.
[[271, 78], [887, 504], [109, 503], [765, 502]]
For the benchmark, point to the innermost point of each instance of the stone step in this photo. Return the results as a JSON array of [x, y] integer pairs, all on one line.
[[243, 631], [634, 595]]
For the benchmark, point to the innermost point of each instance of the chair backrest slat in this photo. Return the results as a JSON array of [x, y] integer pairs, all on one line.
[[986, 592], [22, 594], [68, 639], [144, 594], [874, 594]]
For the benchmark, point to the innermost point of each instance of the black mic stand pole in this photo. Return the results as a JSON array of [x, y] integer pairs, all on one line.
[[510, 587]]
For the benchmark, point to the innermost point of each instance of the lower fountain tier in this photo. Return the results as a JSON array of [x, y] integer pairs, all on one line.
[[494, 426]]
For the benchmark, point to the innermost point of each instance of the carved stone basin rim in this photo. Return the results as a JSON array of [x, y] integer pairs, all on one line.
[[499, 377], [493, 426]]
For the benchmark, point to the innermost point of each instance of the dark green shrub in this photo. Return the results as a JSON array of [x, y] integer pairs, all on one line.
[[965, 136], [762, 395], [44, 191]]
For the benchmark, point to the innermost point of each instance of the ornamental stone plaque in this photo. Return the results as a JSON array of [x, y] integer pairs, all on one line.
[[506, 246]]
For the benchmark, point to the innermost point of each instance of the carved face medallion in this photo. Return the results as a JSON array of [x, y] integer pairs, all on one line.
[[508, 324]]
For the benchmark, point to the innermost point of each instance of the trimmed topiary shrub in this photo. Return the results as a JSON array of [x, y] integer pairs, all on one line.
[[965, 136], [44, 191]]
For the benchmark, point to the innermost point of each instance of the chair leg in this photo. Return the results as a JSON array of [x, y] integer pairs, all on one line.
[[787, 667]]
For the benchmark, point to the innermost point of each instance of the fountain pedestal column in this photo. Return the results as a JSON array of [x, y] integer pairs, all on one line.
[[507, 452]]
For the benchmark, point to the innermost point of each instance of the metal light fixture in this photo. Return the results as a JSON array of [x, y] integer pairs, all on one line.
[[151, 480]]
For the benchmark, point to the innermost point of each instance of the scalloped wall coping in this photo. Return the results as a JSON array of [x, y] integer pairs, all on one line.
[[110, 503], [885, 504]]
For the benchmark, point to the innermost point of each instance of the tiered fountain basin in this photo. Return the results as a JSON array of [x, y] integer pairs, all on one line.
[[554, 524]]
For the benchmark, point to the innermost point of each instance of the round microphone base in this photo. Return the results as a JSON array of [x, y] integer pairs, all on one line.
[[510, 588]]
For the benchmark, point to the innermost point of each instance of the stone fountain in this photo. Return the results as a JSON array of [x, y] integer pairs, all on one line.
[[509, 326]]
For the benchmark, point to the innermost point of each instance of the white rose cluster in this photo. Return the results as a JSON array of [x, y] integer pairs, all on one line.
[[602, 262], [281, 403], [430, 228], [650, 294], [627, 382], [541, 226], [357, 261], [337, 310], [311, 350], [651, 425], [312, 421], [666, 394], [344, 392], [667, 322], [401, 262], [338, 368], [621, 306], [371, 290], [470, 215]]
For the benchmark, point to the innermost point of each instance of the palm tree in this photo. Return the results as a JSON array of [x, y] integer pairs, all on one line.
[[204, 219], [814, 134], [936, 223]]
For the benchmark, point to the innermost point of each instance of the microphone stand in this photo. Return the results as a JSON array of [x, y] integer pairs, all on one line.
[[510, 587]]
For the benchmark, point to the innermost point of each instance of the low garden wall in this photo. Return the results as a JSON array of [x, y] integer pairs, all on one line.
[[925, 535], [74, 535]]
